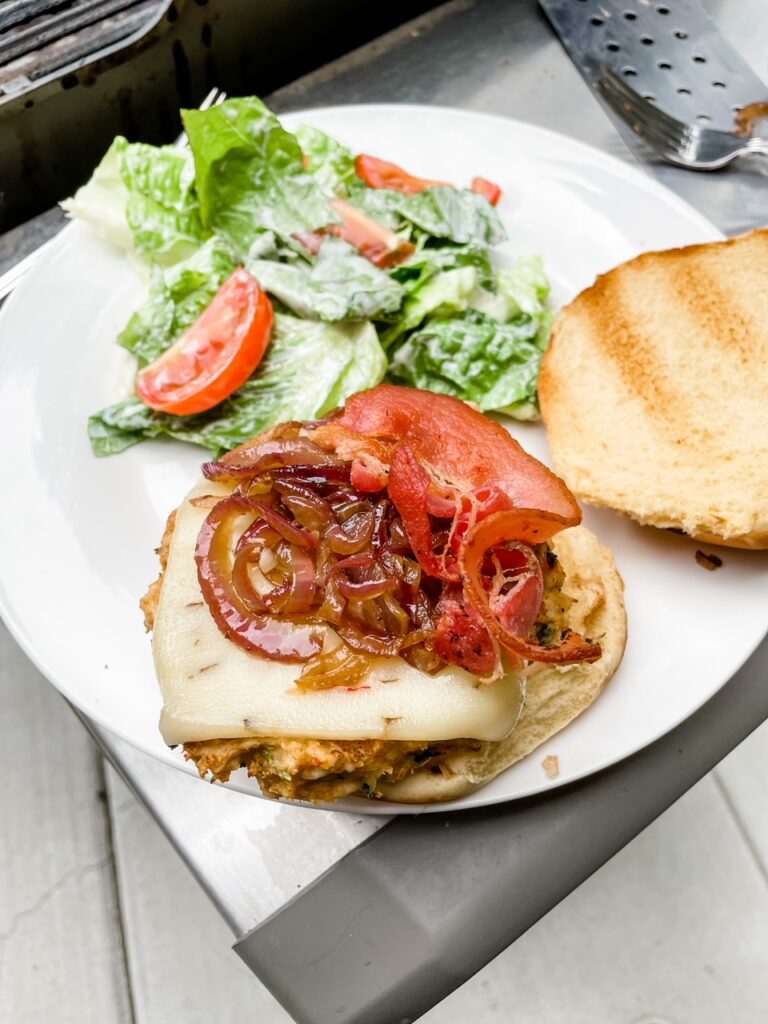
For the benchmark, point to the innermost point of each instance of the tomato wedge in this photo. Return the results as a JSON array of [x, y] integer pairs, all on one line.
[[380, 174], [461, 446], [216, 355], [377, 243], [486, 188]]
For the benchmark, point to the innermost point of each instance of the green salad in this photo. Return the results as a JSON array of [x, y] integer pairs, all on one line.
[[286, 273]]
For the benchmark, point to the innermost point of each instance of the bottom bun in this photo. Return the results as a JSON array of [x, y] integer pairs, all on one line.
[[554, 695]]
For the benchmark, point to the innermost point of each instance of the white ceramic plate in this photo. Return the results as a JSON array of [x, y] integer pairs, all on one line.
[[77, 533]]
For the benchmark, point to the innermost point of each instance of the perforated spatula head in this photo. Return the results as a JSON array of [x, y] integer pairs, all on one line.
[[670, 53]]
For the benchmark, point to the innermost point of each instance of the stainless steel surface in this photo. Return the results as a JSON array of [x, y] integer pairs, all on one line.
[[736, 202], [671, 52], [409, 917], [494, 871], [505, 58], [687, 145], [55, 129], [49, 40], [11, 277], [252, 856]]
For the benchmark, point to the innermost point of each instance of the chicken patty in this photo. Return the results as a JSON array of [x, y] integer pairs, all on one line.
[[320, 770]]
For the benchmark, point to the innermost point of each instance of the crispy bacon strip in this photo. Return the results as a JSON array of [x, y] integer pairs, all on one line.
[[460, 445], [370, 458], [409, 485], [531, 526]]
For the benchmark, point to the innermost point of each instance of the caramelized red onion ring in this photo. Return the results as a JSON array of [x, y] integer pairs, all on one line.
[[295, 595], [205, 500], [360, 534], [259, 533], [340, 667], [245, 557], [271, 445], [309, 509], [369, 639], [262, 634], [282, 525], [353, 534], [314, 476], [365, 590], [263, 456]]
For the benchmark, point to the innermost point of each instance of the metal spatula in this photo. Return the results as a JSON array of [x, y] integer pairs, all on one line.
[[670, 53], [680, 143]]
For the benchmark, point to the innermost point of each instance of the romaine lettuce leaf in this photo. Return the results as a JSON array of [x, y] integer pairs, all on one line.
[[476, 358], [443, 294], [340, 285], [194, 282], [523, 289], [365, 370], [441, 211], [457, 214], [142, 198], [149, 331], [101, 202], [331, 163], [383, 205], [309, 368], [432, 260], [250, 174], [162, 209], [527, 288], [177, 297], [526, 283]]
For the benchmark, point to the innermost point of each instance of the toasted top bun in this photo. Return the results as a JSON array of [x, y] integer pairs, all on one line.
[[554, 695], [654, 391]]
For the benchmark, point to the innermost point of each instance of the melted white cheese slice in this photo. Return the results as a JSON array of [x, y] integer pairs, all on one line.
[[212, 689]]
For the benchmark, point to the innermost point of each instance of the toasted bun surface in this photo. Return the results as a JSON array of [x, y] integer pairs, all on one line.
[[654, 391], [555, 696]]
